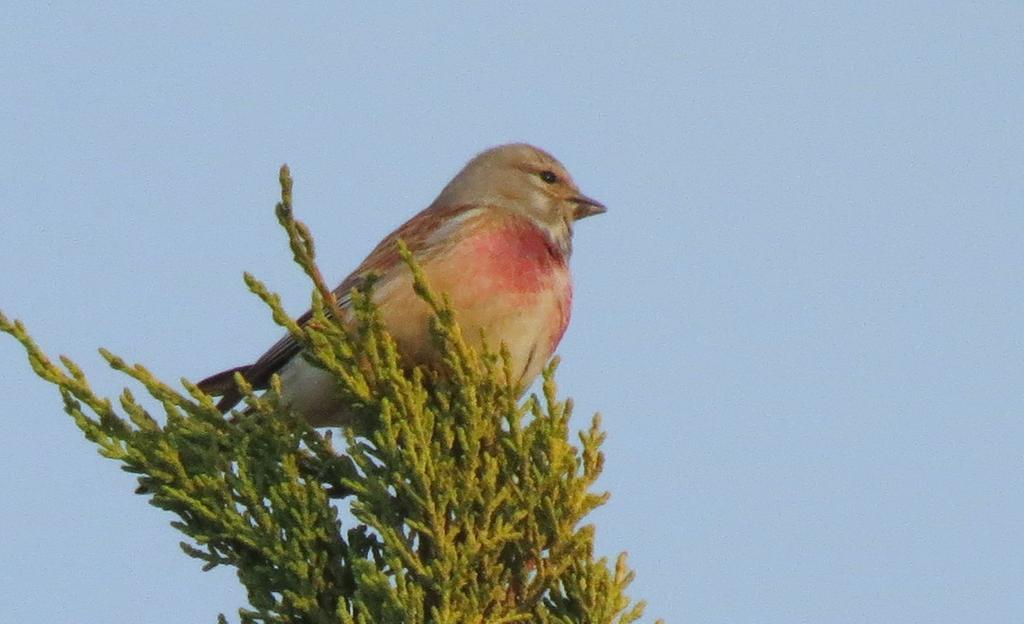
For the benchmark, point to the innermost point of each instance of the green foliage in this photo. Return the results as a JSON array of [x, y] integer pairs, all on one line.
[[467, 502]]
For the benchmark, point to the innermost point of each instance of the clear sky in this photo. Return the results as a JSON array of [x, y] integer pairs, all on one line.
[[802, 316]]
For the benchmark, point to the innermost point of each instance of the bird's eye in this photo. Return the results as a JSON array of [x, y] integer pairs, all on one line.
[[548, 176]]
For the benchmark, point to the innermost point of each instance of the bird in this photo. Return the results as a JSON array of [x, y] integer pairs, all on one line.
[[496, 240]]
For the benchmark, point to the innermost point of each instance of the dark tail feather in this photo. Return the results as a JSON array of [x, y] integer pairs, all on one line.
[[223, 385]]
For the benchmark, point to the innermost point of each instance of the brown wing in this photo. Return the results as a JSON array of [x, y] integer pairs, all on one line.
[[425, 234]]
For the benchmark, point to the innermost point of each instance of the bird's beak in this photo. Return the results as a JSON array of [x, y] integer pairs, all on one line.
[[586, 207]]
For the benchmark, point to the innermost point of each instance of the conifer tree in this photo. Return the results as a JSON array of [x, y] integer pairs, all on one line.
[[449, 499]]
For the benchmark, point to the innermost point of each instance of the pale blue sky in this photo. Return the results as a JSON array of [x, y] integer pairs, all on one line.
[[801, 316]]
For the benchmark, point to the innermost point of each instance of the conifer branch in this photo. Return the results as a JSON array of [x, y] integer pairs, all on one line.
[[463, 503]]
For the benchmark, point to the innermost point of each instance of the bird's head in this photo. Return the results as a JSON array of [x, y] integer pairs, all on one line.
[[524, 179]]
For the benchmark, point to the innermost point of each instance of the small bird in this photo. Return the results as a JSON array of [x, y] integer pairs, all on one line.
[[497, 241]]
